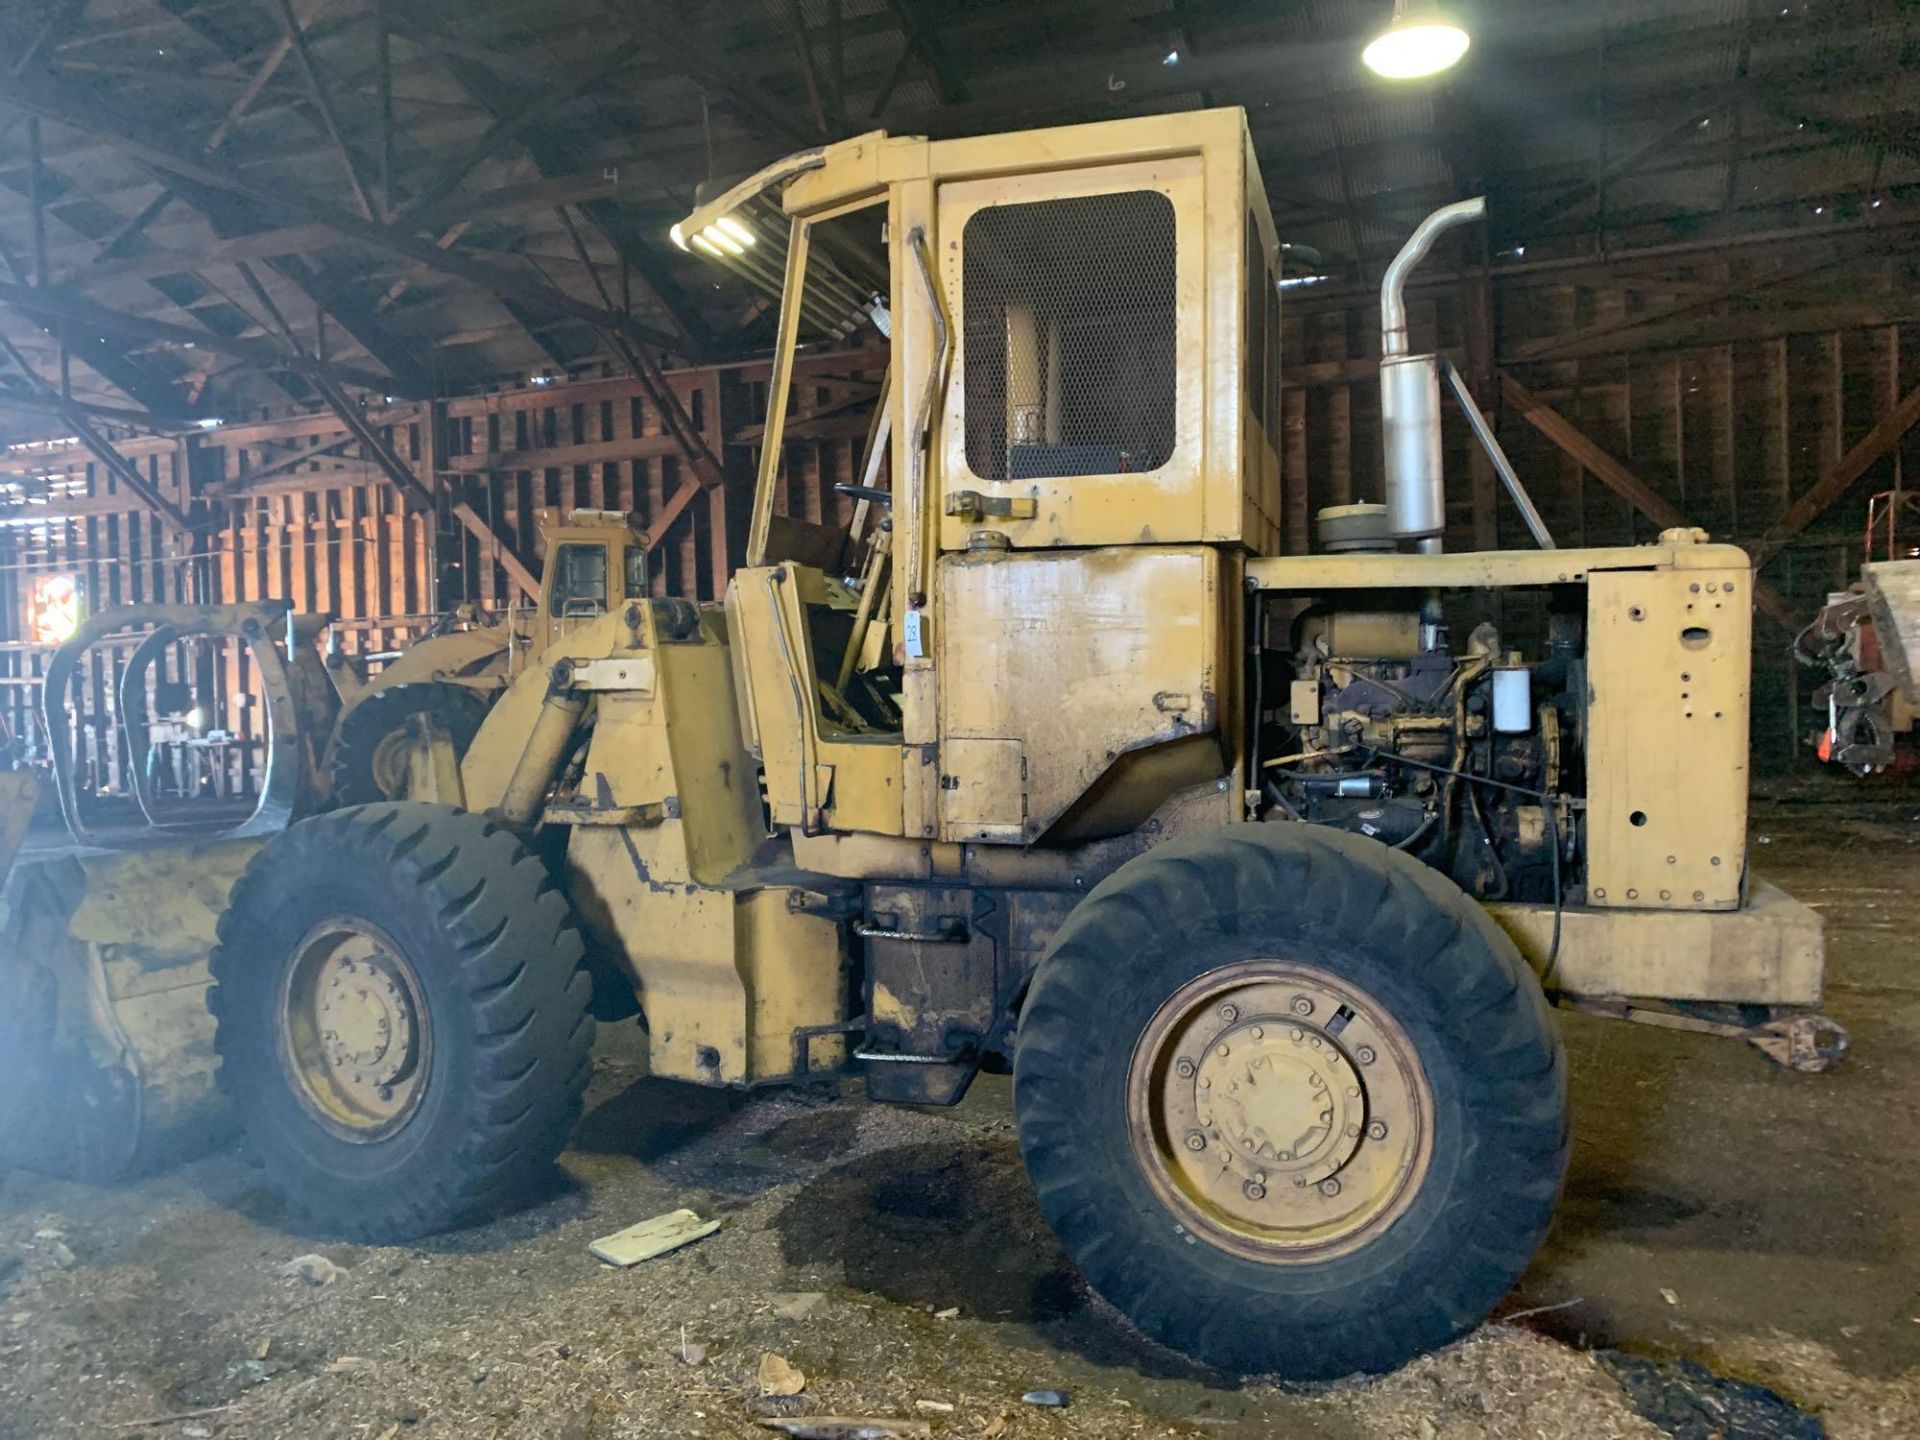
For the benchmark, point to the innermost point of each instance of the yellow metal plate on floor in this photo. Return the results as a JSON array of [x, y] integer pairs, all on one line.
[[652, 1237]]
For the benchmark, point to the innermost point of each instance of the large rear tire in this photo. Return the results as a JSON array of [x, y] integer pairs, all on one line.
[[1293, 1102], [402, 1018]]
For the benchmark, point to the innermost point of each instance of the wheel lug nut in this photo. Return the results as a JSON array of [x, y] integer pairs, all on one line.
[[386, 1092], [1302, 1005], [1196, 1141], [1254, 1190], [1364, 1054], [1329, 1187], [1229, 1013], [1376, 1130], [1184, 1068]]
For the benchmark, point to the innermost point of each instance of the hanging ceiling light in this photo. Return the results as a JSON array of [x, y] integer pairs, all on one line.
[[1421, 40]]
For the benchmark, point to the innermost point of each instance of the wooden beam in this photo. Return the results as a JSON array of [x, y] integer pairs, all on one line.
[[383, 70], [39, 404], [534, 107], [95, 119], [920, 36], [323, 102], [1622, 481], [797, 24], [60, 20], [640, 257], [660, 524], [340, 304], [1618, 334], [496, 549], [37, 200], [1680, 129], [123, 238], [292, 460], [561, 457], [1841, 475], [707, 470], [53, 305], [647, 19]]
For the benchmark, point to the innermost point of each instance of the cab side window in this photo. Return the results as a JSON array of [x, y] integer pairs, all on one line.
[[1070, 329]]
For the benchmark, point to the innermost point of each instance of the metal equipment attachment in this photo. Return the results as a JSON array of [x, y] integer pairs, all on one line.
[[293, 685], [1808, 1044]]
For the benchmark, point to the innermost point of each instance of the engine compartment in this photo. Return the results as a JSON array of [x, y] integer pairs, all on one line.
[[1469, 756]]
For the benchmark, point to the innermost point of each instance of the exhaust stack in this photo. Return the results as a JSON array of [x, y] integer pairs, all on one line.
[[1410, 394]]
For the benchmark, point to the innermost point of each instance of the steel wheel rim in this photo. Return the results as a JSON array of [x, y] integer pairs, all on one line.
[[354, 1030], [1279, 1112], [389, 765]]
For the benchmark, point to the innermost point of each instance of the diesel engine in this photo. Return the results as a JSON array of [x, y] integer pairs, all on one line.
[[1463, 756]]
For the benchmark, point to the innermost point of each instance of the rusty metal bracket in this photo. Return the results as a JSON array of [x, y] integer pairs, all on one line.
[[972, 505], [1809, 1044]]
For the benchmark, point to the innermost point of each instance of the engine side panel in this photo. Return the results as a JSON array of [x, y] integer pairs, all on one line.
[[1668, 667]]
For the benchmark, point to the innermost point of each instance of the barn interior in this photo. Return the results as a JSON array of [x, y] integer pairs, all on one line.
[[329, 301]]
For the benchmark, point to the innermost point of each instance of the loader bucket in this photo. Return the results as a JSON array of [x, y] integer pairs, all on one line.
[[106, 1037], [19, 795], [107, 923]]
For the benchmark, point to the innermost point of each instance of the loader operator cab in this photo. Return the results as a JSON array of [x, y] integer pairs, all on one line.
[[1030, 640]]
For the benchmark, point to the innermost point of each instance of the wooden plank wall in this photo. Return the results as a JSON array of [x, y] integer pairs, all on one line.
[[330, 534]]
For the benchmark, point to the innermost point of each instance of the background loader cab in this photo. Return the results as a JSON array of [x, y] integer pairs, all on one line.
[[448, 680], [594, 561]]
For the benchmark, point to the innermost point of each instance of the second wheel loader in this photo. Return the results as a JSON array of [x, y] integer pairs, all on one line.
[[451, 676], [1260, 867]]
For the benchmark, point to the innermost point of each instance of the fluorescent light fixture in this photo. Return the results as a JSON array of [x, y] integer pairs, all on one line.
[[211, 422], [1420, 41], [726, 236]]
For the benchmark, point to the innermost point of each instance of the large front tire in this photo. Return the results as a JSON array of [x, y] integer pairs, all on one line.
[[402, 1018], [1292, 1102]]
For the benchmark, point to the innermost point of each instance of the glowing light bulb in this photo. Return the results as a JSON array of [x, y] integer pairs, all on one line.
[[1420, 41]]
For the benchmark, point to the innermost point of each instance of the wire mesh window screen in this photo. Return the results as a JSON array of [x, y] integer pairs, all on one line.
[[1069, 316]]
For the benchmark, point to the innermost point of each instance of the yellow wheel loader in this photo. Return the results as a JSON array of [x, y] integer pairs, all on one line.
[[452, 675], [1260, 867]]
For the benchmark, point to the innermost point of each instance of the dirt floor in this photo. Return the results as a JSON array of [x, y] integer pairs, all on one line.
[[1738, 1254]]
